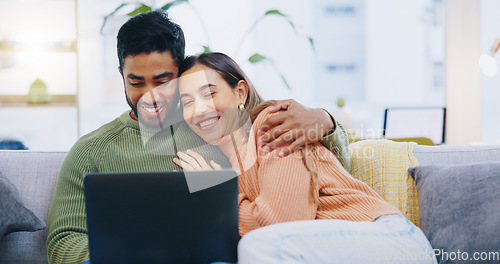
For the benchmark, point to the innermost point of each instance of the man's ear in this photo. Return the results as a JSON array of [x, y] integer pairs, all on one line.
[[242, 90], [121, 72]]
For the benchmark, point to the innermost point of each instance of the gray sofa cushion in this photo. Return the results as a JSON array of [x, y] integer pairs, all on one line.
[[450, 155], [34, 173], [458, 208], [14, 216]]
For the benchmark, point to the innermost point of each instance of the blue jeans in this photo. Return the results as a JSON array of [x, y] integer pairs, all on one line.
[[388, 239]]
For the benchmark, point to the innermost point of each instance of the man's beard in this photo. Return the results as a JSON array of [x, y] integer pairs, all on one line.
[[173, 112], [134, 109]]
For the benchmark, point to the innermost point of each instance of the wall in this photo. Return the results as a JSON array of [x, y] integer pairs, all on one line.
[[463, 76], [490, 85], [32, 25], [394, 53], [288, 48], [400, 48]]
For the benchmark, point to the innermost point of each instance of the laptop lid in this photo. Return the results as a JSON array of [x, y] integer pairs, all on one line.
[[162, 217], [429, 122]]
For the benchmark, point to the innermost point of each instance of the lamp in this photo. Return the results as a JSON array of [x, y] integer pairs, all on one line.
[[487, 61]]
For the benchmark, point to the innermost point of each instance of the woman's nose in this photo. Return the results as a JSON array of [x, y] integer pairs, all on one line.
[[201, 108]]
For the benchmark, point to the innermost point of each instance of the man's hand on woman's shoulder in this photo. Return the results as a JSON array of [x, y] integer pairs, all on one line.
[[294, 127]]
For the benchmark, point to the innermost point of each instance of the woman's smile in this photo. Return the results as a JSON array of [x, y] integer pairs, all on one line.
[[208, 123]]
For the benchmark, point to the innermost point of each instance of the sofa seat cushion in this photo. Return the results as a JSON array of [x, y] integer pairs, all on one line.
[[459, 209], [14, 216]]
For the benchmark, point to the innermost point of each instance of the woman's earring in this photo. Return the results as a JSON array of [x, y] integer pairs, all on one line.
[[241, 106]]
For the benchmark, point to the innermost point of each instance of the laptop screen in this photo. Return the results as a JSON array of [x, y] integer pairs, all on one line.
[[426, 122]]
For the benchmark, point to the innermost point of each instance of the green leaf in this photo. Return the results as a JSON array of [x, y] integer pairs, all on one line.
[[256, 58], [170, 4], [111, 14], [311, 41], [206, 49], [285, 82], [340, 102], [141, 9], [275, 12]]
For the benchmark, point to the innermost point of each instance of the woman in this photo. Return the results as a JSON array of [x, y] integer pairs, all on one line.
[[344, 220]]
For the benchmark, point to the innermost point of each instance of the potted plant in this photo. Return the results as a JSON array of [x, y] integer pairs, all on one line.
[[253, 59]]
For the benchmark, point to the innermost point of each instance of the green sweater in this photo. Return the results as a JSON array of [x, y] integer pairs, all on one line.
[[119, 146]]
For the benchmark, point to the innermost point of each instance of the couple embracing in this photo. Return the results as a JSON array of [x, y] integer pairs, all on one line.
[[296, 205]]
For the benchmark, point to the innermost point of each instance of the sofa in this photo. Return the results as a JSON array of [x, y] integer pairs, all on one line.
[[34, 173]]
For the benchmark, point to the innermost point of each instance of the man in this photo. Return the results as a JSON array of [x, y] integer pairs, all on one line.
[[150, 49]]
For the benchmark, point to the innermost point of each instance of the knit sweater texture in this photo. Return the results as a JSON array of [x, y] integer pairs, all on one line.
[[274, 189], [119, 146], [116, 146]]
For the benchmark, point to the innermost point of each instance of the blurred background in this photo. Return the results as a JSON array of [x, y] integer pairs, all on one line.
[[355, 58]]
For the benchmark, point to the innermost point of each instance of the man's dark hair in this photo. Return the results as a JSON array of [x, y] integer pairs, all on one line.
[[150, 32]]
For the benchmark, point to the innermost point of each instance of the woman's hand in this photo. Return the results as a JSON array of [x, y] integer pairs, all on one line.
[[191, 160]]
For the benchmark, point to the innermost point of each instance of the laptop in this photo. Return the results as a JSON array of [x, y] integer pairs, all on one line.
[[162, 217], [429, 122]]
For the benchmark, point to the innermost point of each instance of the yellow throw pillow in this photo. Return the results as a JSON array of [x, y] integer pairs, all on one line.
[[383, 165]]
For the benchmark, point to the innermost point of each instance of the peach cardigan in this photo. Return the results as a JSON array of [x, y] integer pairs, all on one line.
[[274, 189]]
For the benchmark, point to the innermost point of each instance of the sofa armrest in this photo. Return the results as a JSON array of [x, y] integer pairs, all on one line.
[[34, 173]]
